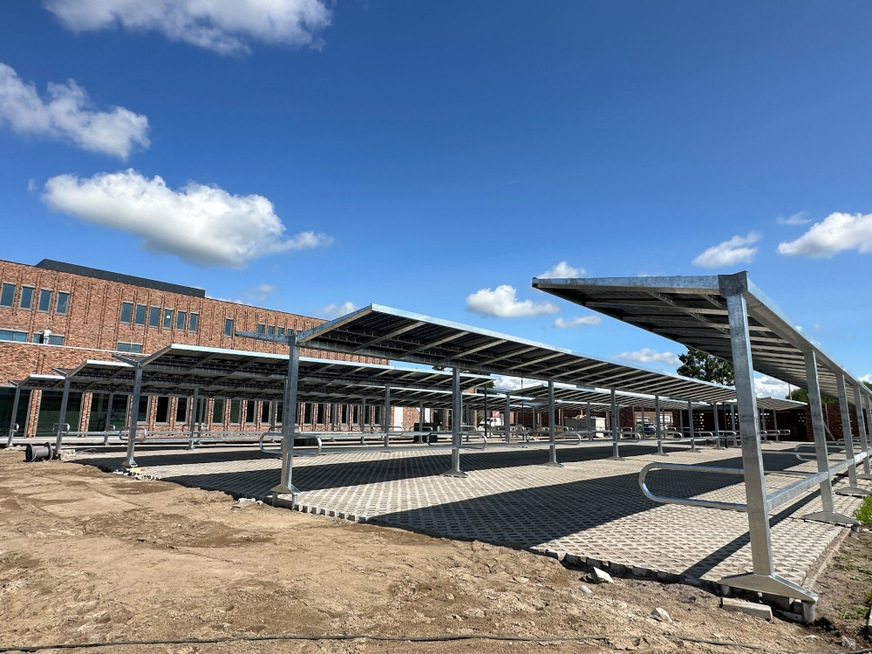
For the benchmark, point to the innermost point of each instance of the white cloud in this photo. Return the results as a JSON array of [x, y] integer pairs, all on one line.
[[800, 218], [65, 115], [507, 383], [205, 225], [502, 302], [729, 253], [562, 269], [260, 294], [336, 310], [769, 387], [837, 232], [223, 26], [578, 321], [647, 355]]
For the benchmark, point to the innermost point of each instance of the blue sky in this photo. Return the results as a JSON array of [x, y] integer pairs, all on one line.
[[309, 155]]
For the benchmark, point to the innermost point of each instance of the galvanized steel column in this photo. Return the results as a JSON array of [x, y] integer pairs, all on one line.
[[847, 436], [387, 416], [861, 427], [14, 415], [456, 411], [193, 427], [587, 422], [616, 451], [133, 417], [775, 424], [507, 419], [552, 428], [62, 416], [752, 456], [818, 429], [716, 426], [289, 420], [657, 427], [692, 431]]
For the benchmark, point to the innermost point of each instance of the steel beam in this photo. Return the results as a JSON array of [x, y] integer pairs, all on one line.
[[616, 448], [289, 421], [552, 429], [456, 413], [861, 428], [852, 489], [133, 417], [12, 423]]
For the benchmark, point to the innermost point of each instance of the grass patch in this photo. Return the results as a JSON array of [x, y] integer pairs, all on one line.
[[864, 513], [853, 612]]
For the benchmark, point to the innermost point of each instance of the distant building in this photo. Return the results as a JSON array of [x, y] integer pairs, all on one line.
[[58, 315]]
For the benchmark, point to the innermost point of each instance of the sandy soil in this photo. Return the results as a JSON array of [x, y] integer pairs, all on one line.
[[88, 557]]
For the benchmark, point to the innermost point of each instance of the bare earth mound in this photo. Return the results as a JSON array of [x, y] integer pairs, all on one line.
[[88, 557]]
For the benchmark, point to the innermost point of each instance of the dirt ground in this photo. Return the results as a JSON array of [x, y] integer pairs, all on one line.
[[89, 558]]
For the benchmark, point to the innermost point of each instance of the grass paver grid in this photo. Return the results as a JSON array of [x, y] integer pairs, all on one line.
[[591, 508]]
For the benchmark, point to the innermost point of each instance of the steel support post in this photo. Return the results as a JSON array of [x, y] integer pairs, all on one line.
[[657, 427], [421, 420], [193, 425], [861, 427], [387, 416], [716, 426], [133, 418], [552, 428], [486, 415], [820, 445], [456, 412], [289, 421], [507, 418], [848, 437], [616, 448], [775, 425], [763, 577], [692, 430], [535, 427], [587, 422], [12, 423], [733, 408], [107, 422], [62, 416]]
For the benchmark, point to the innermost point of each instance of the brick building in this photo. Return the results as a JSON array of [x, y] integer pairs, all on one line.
[[58, 315]]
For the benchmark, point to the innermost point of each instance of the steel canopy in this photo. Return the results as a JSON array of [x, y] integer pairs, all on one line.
[[393, 334]]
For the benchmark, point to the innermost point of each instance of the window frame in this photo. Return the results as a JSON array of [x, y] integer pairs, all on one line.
[[154, 317], [137, 319], [168, 318], [42, 294], [193, 322], [57, 303], [181, 320], [29, 306], [3, 289], [129, 320]]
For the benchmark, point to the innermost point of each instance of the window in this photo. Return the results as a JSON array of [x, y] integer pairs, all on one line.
[[228, 326], [194, 323], [168, 319], [181, 410], [126, 312], [281, 331], [250, 407], [7, 295], [48, 338], [234, 411], [13, 335], [264, 411], [142, 413], [218, 411], [44, 300], [307, 413], [128, 347], [26, 297], [154, 316], [140, 315], [271, 329], [162, 409], [261, 328], [63, 304], [181, 320]]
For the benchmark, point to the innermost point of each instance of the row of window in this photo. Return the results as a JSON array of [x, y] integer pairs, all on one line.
[[158, 317], [38, 337], [262, 328], [25, 298]]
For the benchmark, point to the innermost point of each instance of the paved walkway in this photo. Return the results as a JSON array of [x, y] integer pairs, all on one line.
[[591, 508]]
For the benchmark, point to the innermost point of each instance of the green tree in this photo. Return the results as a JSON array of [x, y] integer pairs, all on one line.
[[699, 365], [801, 395]]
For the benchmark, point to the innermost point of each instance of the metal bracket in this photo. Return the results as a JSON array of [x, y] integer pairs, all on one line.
[[853, 491], [771, 584], [553, 464], [285, 490], [459, 474], [831, 517]]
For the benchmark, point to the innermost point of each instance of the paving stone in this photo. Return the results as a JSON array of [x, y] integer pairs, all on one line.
[[591, 509]]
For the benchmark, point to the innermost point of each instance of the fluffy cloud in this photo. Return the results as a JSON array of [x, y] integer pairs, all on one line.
[[769, 387], [647, 355], [837, 232], [578, 321], [65, 115], [205, 225], [562, 269], [336, 310], [223, 26], [800, 218], [502, 302], [507, 383], [737, 250]]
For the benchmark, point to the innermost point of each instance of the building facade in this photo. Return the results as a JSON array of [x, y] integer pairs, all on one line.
[[58, 315]]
